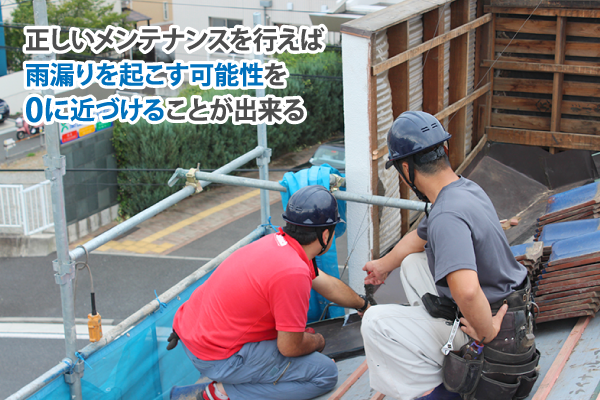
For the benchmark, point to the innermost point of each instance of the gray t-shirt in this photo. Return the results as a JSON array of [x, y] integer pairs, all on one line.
[[463, 232]]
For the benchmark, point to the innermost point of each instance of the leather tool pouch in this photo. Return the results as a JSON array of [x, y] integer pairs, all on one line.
[[461, 375], [440, 307]]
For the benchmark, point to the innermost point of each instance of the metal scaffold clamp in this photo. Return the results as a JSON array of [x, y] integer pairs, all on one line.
[[53, 164], [190, 180], [64, 273], [265, 158], [336, 182], [76, 372]]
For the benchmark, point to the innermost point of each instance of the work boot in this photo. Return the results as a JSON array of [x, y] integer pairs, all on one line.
[[440, 393]]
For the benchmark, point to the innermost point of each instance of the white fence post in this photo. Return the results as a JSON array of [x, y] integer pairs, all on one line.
[[26, 209]]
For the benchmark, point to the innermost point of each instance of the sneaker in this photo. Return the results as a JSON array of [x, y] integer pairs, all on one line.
[[209, 393]]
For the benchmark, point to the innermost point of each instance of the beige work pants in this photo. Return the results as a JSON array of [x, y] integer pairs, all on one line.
[[403, 343]]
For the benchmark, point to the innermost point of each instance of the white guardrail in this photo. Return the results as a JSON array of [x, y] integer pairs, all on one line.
[[28, 209]]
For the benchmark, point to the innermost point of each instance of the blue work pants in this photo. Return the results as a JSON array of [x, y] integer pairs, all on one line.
[[260, 371]]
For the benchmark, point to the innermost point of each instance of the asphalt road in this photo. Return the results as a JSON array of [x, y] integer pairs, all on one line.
[[8, 131], [123, 284]]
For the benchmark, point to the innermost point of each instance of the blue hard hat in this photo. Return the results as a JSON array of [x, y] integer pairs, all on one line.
[[312, 206], [413, 132]]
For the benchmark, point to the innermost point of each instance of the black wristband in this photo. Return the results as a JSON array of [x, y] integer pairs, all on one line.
[[364, 307]]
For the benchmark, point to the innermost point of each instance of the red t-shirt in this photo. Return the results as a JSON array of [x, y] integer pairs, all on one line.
[[260, 289]]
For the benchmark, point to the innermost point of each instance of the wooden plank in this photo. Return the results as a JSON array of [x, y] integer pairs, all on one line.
[[548, 12], [547, 61], [451, 109], [459, 70], [520, 122], [528, 46], [545, 3], [459, 30], [378, 396], [371, 23], [544, 139], [561, 359], [540, 67], [557, 87], [399, 76], [433, 68], [531, 26], [580, 126], [337, 395], [404, 214], [544, 105], [570, 88], [471, 155]]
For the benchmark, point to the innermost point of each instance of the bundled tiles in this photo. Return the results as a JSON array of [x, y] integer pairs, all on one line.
[[552, 233], [575, 204], [569, 284], [530, 255]]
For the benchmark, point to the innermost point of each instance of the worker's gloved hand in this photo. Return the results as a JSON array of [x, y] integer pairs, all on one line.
[[377, 272], [173, 340]]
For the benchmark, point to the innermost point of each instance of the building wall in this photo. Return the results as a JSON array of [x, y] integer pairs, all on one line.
[[154, 10], [89, 192], [196, 14]]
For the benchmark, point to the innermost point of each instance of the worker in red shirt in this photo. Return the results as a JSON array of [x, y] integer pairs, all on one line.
[[245, 327]]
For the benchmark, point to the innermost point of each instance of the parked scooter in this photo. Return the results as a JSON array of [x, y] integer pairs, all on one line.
[[24, 129]]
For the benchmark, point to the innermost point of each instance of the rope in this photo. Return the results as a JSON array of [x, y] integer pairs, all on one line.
[[161, 304], [78, 354]]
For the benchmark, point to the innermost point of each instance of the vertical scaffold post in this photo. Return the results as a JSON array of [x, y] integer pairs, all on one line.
[[63, 266], [262, 161]]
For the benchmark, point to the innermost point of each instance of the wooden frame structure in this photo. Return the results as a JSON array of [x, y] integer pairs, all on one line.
[[536, 75]]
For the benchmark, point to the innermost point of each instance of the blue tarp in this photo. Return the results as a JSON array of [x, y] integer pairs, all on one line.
[[136, 365], [327, 262]]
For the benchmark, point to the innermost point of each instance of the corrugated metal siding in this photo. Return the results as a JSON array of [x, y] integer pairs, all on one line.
[[390, 221], [470, 77], [389, 231]]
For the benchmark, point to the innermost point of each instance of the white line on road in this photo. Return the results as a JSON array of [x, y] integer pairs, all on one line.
[[106, 253], [43, 331]]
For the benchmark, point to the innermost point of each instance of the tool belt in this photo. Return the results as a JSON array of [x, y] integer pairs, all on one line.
[[507, 368]]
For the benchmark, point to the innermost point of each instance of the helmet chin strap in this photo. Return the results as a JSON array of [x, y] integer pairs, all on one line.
[[320, 237], [411, 173]]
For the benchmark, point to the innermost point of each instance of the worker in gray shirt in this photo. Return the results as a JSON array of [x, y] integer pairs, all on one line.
[[457, 271]]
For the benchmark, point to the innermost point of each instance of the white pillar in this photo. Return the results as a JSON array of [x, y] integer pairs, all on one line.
[[356, 56]]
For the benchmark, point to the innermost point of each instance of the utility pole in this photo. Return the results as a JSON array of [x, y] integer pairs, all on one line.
[[64, 268], [263, 161]]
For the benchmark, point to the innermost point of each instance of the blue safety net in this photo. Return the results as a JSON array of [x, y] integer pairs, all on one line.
[[328, 262], [137, 365]]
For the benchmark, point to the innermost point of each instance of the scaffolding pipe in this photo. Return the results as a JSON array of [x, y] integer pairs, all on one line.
[[170, 294], [161, 205], [50, 375], [340, 195], [63, 267], [263, 161]]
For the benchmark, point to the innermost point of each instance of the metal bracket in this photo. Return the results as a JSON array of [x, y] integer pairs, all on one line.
[[265, 158], [76, 373], [53, 164], [190, 180], [64, 273], [336, 182]]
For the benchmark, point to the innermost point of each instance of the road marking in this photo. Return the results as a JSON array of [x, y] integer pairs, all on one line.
[[145, 245], [43, 331], [115, 253]]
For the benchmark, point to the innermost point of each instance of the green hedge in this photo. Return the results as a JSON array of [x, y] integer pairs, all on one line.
[[168, 145]]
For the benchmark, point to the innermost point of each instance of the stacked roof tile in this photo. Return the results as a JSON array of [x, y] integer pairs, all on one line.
[[575, 204]]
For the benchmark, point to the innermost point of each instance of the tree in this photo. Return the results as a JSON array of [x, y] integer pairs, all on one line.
[[93, 14]]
